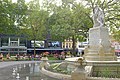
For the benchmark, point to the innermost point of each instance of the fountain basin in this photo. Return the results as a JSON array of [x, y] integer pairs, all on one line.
[[26, 69], [56, 75]]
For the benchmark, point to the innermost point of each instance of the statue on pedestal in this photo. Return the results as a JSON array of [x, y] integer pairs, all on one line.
[[99, 45], [98, 17]]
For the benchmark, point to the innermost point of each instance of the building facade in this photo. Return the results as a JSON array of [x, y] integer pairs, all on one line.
[[13, 44], [67, 44]]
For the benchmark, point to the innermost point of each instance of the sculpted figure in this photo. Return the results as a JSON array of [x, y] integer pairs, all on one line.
[[98, 17]]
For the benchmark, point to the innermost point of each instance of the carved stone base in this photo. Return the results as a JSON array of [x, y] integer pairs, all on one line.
[[79, 73], [99, 48], [100, 58]]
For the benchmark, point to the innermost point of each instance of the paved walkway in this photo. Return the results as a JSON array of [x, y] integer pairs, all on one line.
[[10, 63]]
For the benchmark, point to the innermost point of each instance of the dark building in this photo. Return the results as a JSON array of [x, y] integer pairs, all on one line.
[[53, 46], [18, 44], [13, 44]]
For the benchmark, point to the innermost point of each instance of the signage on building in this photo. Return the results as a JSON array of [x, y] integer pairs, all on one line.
[[39, 44], [54, 44]]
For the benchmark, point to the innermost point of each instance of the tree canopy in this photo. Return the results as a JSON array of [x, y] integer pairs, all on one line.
[[66, 19]]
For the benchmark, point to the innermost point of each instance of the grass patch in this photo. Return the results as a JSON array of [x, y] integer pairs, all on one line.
[[57, 69], [52, 58]]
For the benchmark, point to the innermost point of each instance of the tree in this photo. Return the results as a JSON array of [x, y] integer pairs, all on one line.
[[12, 16], [6, 22], [70, 20], [36, 19], [116, 35], [20, 13]]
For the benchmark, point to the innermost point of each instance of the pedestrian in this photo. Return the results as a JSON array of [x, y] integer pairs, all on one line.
[[8, 56], [29, 56], [17, 57], [32, 57], [1, 57]]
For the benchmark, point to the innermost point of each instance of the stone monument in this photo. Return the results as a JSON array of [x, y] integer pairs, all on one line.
[[99, 48], [44, 63], [79, 73]]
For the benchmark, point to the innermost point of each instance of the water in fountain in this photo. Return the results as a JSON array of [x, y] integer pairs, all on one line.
[[18, 76], [20, 66], [31, 70], [29, 65], [14, 72], [27, 78], [24, 65]]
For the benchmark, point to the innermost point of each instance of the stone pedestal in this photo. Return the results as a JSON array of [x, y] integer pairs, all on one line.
[[99, 48], [79, 73], [44, 62]]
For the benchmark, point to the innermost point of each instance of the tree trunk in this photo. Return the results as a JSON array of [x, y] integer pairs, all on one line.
[[34, 48], [46, 43], [73, 45]]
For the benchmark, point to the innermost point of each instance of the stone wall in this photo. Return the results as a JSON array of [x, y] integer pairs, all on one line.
[[56, 75], [99, 78], [87, 74]]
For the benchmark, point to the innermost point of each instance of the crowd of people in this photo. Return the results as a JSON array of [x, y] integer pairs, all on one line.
[[2, 57], [19, 57], [28, 57], [59, 56]]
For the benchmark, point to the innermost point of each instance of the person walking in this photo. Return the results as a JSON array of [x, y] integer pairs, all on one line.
[[1, 57], [8, 56]]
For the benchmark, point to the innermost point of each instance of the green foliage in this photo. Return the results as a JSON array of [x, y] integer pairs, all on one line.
[[51, 58], [6, 22], [55, 67], [116, 35], [68, 19], [36, 20], [106, 71], [12, 16]]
